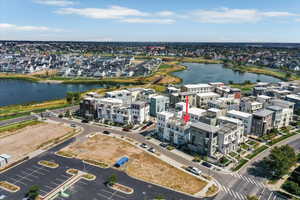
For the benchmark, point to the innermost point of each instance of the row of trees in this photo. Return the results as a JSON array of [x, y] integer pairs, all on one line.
[[73, 97]]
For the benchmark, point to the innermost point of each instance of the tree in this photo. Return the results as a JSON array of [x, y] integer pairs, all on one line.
[[73, 97], [230, 82], [280, 160], [112, 179], [291, 187], [159, 197], [33, 192]]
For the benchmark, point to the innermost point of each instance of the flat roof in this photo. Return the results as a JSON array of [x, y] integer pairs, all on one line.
[[263, 112], [196, 111], [239, 113], [214, 110], [205, 127], [230, 119], [166, 113], [293, 96], [274, 108], [207, 94], [197, 85], [110, 100], [264, 97]]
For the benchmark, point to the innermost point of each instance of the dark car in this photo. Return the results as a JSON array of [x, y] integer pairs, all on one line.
[[149, 123], [206, 164], [126, 129], [84, 121], [164, 145], [106, 132]]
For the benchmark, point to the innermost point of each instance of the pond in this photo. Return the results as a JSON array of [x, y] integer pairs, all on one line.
[[14, 91], [204, 73]]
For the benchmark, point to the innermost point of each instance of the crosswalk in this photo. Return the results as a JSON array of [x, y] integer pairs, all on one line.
[[235, 195], [249, 180]]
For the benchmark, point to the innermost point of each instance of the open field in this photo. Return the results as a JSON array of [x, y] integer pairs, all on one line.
[[14, 127], [141, 164], [28, 139]]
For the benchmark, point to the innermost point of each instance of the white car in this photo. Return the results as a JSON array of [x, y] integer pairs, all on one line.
[[2, 196], [152, 150], [194, 170], [143, 145]]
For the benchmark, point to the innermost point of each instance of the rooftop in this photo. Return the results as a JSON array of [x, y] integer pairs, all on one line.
[[190, 86], [239, 113], [293, 96], [207, 94], [263, 113], [196, 111], [205, 127], [274, 108]]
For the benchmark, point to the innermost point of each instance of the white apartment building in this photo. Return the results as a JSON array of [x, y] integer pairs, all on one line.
[[287, 111], [250, 106], [176, 131], [202, 99], [246, 118], [195, 114], [230, 136], [140, 112], [197, 88], [162, 119]]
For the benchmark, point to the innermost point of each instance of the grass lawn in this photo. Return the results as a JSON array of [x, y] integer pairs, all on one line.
[[241, 163], [257, 151]]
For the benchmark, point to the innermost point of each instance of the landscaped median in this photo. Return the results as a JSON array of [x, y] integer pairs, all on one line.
[[97, 163], [48, 164], [19, 125], [9, 186], [86, 176]]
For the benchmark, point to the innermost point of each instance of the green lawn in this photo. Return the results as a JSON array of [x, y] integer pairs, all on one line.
[[257, 151]]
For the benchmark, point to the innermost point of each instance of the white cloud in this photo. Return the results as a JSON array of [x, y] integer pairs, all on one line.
[[165, 13], [112, 12], [148, 21], [13, 27], [55, 2], [227, 15]]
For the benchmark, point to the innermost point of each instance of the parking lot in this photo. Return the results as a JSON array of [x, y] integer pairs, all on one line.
[[31, 173]]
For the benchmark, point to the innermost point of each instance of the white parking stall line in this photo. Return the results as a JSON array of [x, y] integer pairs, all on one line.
[[41, 168], [103, 196], [15, 180], [36, 172], [65, 176], [28, 174], [47, 186], [24, 177]]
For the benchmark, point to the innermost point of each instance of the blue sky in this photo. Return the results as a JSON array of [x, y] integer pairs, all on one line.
[[151, 20]]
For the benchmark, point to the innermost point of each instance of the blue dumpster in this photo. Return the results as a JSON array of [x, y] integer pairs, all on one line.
[[121, 161]]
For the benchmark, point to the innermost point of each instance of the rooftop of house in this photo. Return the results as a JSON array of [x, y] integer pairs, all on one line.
[[264, 97], [274, 108], [200, 85], [227, 128], [293, 96], [239, 113], [263, 113], [205, 127], [196, 111], [208, 94], [230, 119]]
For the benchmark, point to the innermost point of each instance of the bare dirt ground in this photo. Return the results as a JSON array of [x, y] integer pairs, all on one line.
[[28, 139], [141, 164]]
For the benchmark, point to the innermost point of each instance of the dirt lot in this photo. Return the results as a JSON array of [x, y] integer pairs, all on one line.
[[141, 164], [29, 138]]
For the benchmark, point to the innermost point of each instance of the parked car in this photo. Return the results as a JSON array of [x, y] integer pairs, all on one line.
[[194, 170], [106, 132], [2, 196], [144, 145], [84, 121], [126, 129], [164, 145], [73, 125], [152, 150], [149, 123], [206, 164]]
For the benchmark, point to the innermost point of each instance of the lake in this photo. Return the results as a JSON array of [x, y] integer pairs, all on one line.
[[204, 73], [14, 91]]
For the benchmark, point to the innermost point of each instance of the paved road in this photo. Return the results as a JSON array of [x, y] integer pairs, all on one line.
[[16, 120]]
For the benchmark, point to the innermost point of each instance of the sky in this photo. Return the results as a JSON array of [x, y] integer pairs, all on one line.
[[151, 20]]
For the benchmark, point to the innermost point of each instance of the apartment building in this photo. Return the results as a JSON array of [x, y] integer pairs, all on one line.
[[162, 119], [140, 112], [262, 122], [249, 105], [203, 139], [197, 88], [158, 104], [246, 118], [202, 99], [176, 131]]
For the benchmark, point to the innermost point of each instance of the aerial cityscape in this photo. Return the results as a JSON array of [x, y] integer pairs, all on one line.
[[149, 100]]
